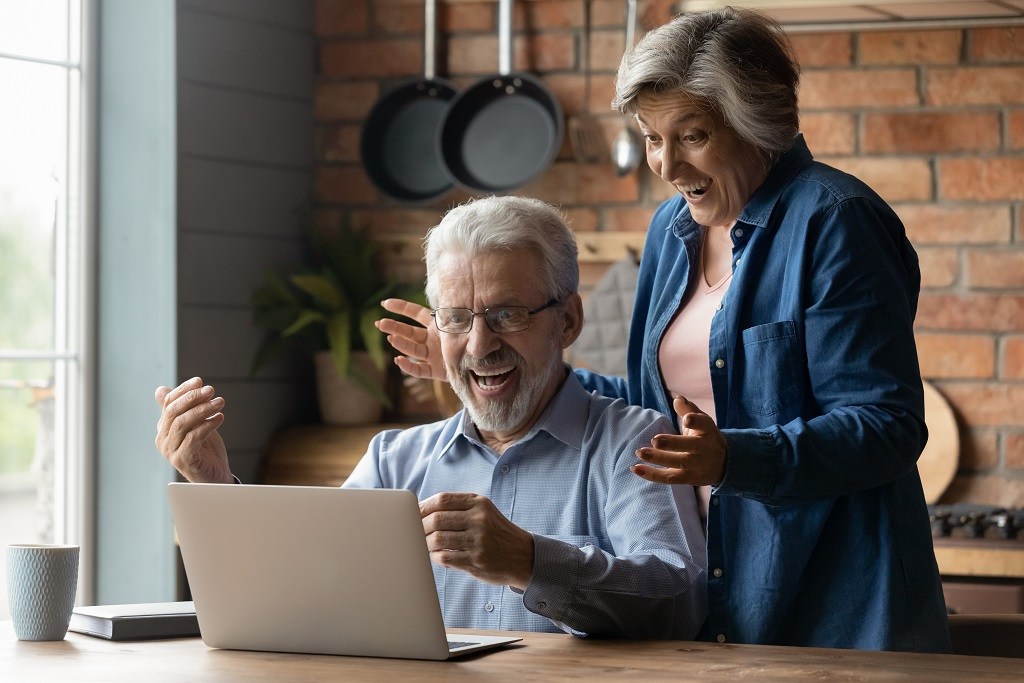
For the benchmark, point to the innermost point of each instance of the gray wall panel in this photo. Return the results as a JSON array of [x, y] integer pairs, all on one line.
[[244, 127], [242, 55], [221, 270], [233, 197], [220, 343], [254, 411], [295, 14]]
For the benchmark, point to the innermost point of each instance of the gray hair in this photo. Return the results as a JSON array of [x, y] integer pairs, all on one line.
[[738, 61], [506, 223]]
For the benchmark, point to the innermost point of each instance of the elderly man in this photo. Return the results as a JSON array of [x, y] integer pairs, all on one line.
[[533, 518]]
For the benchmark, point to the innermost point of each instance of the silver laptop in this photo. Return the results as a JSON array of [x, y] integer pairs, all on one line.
[[314, 570]]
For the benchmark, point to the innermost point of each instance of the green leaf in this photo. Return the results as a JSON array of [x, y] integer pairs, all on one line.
[[340, 341], [305, 318], [322, 289], [373, 339]]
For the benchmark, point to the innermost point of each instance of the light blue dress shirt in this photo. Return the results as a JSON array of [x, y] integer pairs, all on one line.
[[819, 534], [614, 555]]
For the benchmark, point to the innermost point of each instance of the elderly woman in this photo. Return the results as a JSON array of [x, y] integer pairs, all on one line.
[[774, 317]]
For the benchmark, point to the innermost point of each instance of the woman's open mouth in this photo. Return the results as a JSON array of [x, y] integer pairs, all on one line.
[[695, 190]]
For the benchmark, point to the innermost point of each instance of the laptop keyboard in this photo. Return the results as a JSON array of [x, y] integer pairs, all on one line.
[[455, 644]]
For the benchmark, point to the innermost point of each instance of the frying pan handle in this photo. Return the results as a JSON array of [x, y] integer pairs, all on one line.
[[630, 23], [429, 39], [504, 37]]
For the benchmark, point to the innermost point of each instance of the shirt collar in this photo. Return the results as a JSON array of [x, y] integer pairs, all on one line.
[[564, 418]]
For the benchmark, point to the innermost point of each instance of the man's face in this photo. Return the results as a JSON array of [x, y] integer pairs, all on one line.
[[504, 380]]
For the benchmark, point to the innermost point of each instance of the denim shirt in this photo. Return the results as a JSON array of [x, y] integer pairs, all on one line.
[[818, 535]]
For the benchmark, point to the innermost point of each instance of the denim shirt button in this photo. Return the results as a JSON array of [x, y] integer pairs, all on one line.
[[721, 638], [719, 363], [717, 572], [738, 232]]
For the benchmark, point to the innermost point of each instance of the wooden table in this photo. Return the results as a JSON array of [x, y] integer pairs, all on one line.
[[539, 656]]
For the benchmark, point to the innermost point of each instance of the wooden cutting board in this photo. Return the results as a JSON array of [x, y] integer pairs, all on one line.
[[941, 455]]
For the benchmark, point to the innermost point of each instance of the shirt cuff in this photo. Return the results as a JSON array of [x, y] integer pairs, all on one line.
[[750, 464], [555, 568]]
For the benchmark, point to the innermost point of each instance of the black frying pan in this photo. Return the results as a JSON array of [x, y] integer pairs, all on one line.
[[504, 130], [399, 141]]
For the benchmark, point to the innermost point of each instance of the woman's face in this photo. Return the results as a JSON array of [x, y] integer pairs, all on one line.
[[691, 148]]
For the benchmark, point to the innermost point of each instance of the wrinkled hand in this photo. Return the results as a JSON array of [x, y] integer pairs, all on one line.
[[419, 343], [186, 433], [466, 531], [695, 456]]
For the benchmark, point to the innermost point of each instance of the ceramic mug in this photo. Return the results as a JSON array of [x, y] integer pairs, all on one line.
[[42, 581]]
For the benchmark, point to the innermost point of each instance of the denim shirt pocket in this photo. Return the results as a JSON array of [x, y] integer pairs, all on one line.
[[771, 361]]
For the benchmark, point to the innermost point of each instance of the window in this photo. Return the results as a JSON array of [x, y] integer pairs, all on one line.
[[43, 282]]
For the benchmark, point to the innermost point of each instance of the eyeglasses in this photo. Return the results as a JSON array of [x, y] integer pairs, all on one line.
[[500, 319]]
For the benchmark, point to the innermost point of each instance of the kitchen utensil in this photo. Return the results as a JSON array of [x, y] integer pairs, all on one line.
[[627, 147], [399, 139], [941, 456], [585, 132], [504, 130]]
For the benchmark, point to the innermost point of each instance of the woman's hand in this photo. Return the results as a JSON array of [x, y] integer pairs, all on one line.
[[419, 343], [696, 456]]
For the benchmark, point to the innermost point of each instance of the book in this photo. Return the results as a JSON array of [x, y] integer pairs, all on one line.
[[140, 621]]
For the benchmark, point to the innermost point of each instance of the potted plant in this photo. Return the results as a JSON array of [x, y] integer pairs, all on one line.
[[326, 309]]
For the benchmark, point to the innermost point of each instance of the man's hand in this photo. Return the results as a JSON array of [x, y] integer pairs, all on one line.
[[419, 343], [466, 531], [696, 456], [186, 433]]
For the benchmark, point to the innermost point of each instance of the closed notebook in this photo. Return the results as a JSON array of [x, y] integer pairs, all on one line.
[[140, 621]]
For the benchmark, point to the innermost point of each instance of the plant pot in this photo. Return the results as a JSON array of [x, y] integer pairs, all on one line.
[[342, 401]]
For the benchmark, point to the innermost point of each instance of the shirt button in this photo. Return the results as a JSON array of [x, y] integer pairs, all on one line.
[[504, 469], [720, 305], [719, 363], [738, 261], [714, 501], [721, 638], [489, 607], [738, 232], [717, 572], [542, 605]]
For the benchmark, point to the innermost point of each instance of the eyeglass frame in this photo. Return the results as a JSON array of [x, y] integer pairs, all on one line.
[[473, 315]]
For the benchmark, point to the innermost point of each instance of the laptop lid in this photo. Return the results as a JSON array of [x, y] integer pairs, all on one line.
[[311, 569]]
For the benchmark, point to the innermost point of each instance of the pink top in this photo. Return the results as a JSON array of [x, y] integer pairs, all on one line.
[[683, 353]]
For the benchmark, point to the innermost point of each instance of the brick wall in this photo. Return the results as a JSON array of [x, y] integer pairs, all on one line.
[[932, 119]]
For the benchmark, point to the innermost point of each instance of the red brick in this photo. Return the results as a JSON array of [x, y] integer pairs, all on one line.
[[842, 88], [988, 404], [939, 267], [338, 143], [344, 101], [956, 356], [652, 13], [628, 219], [909, 47], [995, 268], [606, 51], [571, 183], [934, 224], [981, 179], [1017, 129], [341, 17], [610, 14], [569, 89], [822, 49], [829, 133], [581, 220], [995, 489], [343, 185], [894, 178], [402, 19], [479, 54], [932, 132], [389, 221], [1003, 44], [369, 58], [1014, 450], [979, 449], [1013, 358], [981, 85], [552, 14], [971, 312], [467, 17]]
